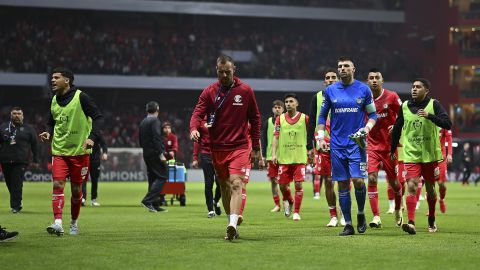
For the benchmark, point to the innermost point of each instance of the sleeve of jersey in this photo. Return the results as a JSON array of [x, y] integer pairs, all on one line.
[[255, 121], [196, 150], [370, 106], [322, 118], [277, 127], [200, 111]]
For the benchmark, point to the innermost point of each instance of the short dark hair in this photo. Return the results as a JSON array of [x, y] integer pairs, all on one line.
[[330, 70], [16, 108], [290, 95], [375, 70], [223, 58], [278, 102], [344, 58], [152, 107], [166, 124], [65, 73], [425, 82]]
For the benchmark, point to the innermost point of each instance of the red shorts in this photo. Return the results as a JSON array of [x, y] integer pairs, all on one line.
[[380, 160], [442, 166], [401, 173], [323, 164], [429, 171], [75, 167], [231, 162], [291, 172], [272, 169]]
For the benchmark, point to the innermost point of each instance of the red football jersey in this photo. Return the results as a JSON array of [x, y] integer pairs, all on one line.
[[388, 105], [446, 137]]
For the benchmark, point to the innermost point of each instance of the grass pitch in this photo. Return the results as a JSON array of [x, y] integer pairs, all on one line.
[[120, 234]]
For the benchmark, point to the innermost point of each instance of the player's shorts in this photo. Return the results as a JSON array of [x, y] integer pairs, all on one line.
[[291, 172], [323, 164], [348, 163], [73, 167], [231, 162], [380, 160], [442, 166], [429, 171], [272, 169], [401, 173]]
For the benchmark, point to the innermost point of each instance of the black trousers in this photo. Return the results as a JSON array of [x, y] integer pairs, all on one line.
[[94, 175], [210, 178], [157, 176], [14, 175]]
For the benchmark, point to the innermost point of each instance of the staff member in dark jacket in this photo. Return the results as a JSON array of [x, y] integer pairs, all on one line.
[[100, 152], [151, 140], [17, 139]]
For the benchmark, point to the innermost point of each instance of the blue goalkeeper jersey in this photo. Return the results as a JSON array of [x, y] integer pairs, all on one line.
[[348, 105]]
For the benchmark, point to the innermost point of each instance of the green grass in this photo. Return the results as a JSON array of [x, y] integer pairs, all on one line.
[[122, 235]]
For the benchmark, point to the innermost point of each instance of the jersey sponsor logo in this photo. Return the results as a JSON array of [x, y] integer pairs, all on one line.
[[346, 110], [382, 115], [238, 100]]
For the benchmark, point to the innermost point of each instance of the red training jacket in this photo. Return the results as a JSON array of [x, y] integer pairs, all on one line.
[[229, 132]]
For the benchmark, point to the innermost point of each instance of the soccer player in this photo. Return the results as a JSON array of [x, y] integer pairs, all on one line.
[[230, 105], [99, 152], [387, 104], [203, 146], [74, 122], [267, 138], [347, 101], [445, 138], [417, 124], [289, 151], [323, 167]]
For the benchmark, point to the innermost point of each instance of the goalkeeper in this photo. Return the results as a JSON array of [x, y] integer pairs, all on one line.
[[347, 101]]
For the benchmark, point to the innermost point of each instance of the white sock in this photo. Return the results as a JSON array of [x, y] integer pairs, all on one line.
[[73, 222], [391, 203], [58, 222], [233, 220]]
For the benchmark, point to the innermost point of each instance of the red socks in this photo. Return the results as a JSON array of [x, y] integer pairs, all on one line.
[[333, 211], [398, 198], [390, 192], [373, 198], [316, 184], [287, 195], [76, 203], [419, 189], [443, 191], [298, 198], [411, 204], [58, 201], [244, 201], [276, 199]]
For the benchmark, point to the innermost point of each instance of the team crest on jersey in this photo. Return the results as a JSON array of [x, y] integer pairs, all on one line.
[[359, 100], [237, 100], [385, 106], [292, 134], [169, 142], [417, 125]]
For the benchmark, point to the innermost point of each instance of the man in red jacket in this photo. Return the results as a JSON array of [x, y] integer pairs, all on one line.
[[229, 105]]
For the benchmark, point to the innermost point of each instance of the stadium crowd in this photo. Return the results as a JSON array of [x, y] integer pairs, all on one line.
[[360, 4], [183, 45]]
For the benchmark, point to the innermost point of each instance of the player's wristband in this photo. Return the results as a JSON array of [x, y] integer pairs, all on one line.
[[321, 135], [369, 125]]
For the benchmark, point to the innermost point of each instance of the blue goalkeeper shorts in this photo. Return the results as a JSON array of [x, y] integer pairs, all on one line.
[[348, 163]]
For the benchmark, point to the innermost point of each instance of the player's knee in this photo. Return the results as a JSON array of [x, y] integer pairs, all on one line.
[[328, 183], [58, 184], [372, 180], [358, 183], [298, 186], [236, 184]]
